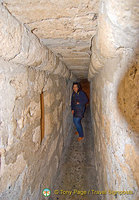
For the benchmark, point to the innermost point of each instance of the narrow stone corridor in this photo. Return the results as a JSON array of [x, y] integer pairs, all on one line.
[[77, 167], [45, 48]]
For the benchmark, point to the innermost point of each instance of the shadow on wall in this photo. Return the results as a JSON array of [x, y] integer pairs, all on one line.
[[128, 97], [85, 87]]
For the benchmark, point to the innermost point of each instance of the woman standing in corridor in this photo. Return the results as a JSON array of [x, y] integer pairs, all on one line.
[[78, 101]]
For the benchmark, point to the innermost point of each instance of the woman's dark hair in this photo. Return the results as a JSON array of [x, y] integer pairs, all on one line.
[[78, 84]]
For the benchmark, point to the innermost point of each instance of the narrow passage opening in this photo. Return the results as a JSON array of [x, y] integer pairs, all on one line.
[[76, 176]]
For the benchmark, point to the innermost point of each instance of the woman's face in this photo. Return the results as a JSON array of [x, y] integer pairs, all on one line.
[[75, 88]]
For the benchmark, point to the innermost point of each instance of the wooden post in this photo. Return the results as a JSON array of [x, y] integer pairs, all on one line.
[[42, 116]]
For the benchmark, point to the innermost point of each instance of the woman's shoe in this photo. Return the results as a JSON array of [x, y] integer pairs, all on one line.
[[76, 133], [80, 138]]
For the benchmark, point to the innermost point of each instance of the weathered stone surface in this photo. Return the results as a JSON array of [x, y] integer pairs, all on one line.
[[128, 95], [8, 172], [13, 37], [58, 96], [116, 144], [20, 130], [28, 68], [66, 27], [49, 98], [19, 45], [117, 30]]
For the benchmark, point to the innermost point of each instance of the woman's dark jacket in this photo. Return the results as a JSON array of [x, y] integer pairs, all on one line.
[[79, 109]]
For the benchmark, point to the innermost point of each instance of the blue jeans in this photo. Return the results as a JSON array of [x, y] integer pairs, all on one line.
[[77, 122]]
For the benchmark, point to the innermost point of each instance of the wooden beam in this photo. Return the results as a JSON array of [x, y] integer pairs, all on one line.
[[42, 116]]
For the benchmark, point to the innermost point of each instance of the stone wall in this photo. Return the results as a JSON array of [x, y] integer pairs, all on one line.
[[113, 75], [19, 45], [128, 96], [27, 164], [114, 115], [117, 31]]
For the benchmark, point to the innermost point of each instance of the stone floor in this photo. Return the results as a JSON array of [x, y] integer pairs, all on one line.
[[77, 168]]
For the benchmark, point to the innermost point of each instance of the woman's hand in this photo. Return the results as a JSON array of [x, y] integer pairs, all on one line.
[[77, 102], [72, 111]]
